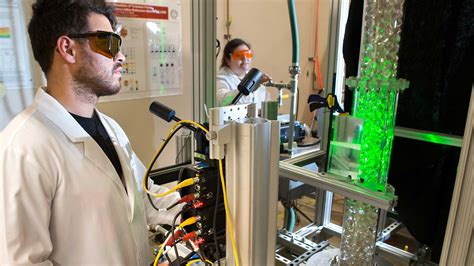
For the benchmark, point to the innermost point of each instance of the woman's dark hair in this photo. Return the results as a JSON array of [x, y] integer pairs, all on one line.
[[229, 48], [54, 18]]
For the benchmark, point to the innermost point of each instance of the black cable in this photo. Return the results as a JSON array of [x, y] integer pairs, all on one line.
[[171, 232], [172, 236], [168, 258], [214, 219], [153, 162], [201, 255], [302, 213], [173, 205], [218, 46], [180, 175]]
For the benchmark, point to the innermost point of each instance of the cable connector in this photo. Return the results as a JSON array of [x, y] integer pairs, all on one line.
[[198, 204], [188, 182], [199, 241], [189, 198], [185, 183], [190, 221], [191, 235]]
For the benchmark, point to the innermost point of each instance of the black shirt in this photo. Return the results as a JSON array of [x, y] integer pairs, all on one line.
[[96, 130]]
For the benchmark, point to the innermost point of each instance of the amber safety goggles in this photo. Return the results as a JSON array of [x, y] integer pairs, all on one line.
[[105, 43], [238, 55]]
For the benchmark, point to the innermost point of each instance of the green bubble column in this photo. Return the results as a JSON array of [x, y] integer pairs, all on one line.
[[376, 92]]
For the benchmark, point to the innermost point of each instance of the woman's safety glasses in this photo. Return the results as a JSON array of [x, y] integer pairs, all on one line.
[[102, 42], [238, 55]]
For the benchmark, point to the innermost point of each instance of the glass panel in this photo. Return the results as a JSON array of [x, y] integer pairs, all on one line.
[[344, 147]]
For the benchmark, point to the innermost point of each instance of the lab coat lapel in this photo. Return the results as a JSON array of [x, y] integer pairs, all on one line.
[[121, 146], [96, 155], [58, 115]]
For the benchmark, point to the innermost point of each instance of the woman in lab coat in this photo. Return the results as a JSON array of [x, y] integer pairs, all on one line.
[[236, 61]]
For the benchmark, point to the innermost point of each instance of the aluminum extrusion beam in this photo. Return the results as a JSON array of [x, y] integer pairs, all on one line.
[[251, 151], [294, 242], [252, 189], [328, 182], [429, 136], [306, 158], [305, 256], [280, 260], [386, 251], [203, 36]]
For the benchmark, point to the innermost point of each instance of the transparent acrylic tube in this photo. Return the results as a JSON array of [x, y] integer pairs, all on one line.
[[360, 226], [376, 93]]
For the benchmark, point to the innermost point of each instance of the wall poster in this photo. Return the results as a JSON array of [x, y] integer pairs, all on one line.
[[152, 45], [15, 72]]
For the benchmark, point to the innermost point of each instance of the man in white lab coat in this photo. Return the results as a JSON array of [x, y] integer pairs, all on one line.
[[68, 191]]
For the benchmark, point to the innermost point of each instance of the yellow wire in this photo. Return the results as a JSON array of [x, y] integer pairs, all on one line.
[[184, 183], [189, 221], [197, 260], [145, 177], [186, 222], [224, 192], [157, 258], [192, 261]]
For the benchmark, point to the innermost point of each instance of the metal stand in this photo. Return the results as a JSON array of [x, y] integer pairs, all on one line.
[[250, 146]]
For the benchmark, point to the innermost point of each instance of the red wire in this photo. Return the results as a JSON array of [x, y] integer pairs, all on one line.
[[176, 235], [188, 236]]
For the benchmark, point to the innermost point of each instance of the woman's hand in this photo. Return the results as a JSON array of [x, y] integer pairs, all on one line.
[[265, 78]]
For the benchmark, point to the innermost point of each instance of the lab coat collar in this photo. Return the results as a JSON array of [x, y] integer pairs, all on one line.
[[55, 112], [58, 115], [228, 72]]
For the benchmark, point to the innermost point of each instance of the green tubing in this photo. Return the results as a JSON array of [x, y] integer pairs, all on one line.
[[294, 31]]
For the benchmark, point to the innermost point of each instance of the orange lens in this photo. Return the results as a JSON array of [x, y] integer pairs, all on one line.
[[102, 42], [238, 55], [109, 46]]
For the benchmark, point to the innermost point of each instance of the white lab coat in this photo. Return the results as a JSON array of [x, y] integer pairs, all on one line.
[[226, 89], [61, 200]]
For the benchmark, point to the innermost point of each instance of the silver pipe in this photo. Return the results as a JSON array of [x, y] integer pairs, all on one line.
[[294, 72]]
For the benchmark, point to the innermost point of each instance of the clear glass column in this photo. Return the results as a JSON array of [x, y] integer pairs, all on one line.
[[376, 92]]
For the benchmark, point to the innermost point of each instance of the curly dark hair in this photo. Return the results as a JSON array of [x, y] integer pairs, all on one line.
[[230, 47], [54, 18]]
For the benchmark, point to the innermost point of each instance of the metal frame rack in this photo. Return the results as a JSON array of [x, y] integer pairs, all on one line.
[[313, 238]]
